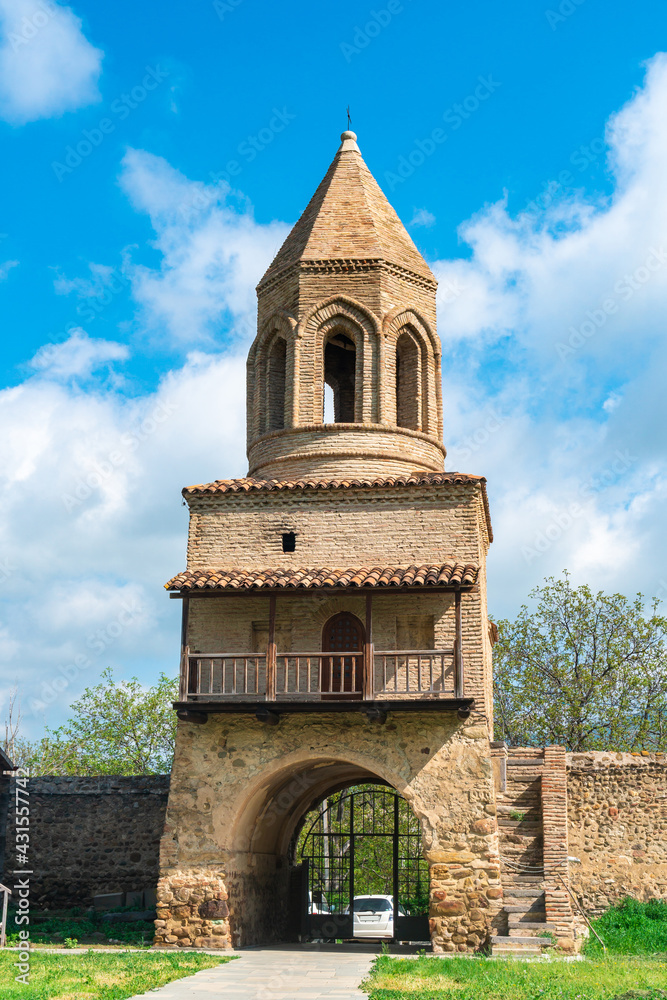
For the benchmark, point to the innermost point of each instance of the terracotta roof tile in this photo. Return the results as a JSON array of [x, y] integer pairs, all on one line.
[[449, 574], [250, 485]]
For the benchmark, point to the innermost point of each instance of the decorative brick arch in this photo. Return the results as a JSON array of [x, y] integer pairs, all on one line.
[[319, 325], [280, 325], [396, 324]]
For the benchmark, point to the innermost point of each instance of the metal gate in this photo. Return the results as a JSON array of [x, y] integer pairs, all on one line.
[[365, 841]]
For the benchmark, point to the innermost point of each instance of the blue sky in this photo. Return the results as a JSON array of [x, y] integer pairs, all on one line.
[[155, 156]]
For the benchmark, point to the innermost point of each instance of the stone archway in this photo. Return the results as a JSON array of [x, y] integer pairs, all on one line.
[[239, 789]]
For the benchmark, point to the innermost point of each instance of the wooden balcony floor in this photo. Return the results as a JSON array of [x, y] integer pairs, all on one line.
[[270, 711]]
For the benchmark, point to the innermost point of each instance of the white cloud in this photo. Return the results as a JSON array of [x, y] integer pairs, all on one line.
[[6, 268], [558, 326], [213, 252], [78, 356], [47, 66], [422, 217], [92, 523]]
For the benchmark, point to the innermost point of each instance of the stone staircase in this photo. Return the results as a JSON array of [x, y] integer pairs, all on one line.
[[523, 919]]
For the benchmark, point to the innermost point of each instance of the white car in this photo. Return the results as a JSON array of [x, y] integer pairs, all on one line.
[[373, 916]]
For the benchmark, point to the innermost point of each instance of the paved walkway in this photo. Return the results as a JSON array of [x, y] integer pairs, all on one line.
[[276, 974]]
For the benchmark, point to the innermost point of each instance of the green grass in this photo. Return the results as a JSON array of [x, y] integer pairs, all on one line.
[[85, 928], [631, 928], [98, 975], [432, 978]]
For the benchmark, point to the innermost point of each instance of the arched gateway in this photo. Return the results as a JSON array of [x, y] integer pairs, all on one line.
[[335, 637]]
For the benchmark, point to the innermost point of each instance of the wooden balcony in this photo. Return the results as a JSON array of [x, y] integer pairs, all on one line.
[[374, 681], [350, 679]]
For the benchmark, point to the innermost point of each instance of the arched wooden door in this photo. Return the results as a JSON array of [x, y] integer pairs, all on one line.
[[342, 675]]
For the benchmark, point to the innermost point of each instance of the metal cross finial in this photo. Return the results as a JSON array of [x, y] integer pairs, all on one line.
[[349, 120]]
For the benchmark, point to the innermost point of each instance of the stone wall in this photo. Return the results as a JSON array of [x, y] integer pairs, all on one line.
[[91, 835], [617, 825]]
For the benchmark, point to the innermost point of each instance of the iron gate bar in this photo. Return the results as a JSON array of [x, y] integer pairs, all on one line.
[[395, 860]]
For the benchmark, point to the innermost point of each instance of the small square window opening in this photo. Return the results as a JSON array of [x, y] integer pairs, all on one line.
[[289, 541]]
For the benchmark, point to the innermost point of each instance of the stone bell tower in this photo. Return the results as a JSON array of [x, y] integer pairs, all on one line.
[[334, 604]]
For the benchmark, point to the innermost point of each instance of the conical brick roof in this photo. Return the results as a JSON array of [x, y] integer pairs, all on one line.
[[349, 218]]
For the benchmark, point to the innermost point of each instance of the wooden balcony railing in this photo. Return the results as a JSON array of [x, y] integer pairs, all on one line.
[[319, 676], [224, 675], [414, 672]]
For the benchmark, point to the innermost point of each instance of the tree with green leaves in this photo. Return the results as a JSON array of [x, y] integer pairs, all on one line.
[[582, 670], [116, 728]]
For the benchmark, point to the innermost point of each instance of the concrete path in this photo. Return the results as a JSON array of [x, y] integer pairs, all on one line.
[[294, 973]]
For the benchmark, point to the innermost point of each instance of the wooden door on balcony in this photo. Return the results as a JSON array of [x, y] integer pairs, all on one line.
[[343, 676]]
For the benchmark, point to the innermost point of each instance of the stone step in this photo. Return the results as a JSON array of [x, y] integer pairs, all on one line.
[[517, 931], [527, 906], [528, 791], [529, 849], [521, 825], [523, 855], [525, 761], [517, 803], [503, 945], [508, 833], [506, 939], [524, 893]]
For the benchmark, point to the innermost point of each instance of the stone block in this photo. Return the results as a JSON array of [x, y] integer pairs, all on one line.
[[450, 857], [449, 907], [484, 826]]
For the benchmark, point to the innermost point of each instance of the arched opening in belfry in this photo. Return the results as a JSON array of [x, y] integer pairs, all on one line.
[[340, 362], [408, 381], [276, 384]]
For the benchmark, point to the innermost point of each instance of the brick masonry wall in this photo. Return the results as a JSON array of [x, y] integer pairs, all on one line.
[[555, 849], [617, 819], [343, 528], [91, 835], [372, 303], [343, 449]]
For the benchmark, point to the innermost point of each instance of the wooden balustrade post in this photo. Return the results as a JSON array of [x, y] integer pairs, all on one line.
[[458, 651], [369, 656], [185, 658], [271, 652]]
